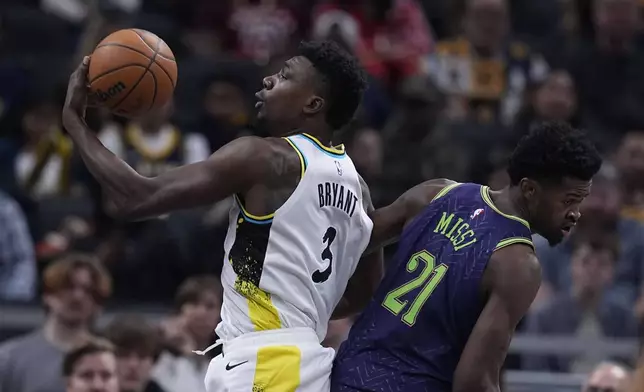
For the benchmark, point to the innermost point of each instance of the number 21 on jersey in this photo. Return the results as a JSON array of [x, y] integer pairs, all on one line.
[[430, 276]]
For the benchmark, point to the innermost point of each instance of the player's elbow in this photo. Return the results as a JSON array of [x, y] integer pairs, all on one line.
[[134, 205]]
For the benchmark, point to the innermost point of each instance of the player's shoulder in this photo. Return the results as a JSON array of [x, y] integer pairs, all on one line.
[[515, 266], [423, 193]]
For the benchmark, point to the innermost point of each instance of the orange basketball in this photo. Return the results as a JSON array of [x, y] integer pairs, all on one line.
[[132, 72]]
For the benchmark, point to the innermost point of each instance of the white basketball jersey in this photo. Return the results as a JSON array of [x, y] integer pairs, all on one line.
[[290, 269]]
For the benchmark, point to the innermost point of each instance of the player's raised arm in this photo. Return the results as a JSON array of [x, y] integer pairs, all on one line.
[[232, 169], [389, 221], [511, 281]]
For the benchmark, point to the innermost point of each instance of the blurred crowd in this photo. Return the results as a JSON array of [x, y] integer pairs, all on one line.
[[453, 85]]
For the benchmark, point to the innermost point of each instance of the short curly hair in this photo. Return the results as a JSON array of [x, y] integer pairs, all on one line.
[[342, 79], [552, 151]]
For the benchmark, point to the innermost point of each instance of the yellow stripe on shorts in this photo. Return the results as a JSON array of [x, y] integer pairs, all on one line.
[[277, 369]]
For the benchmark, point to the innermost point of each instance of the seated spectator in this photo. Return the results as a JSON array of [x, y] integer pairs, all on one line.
[[607, 68], [390, 38], [73, 290], [91, 367], [17, 257], [600, 212], [198, 305], [485, 72], [586, 312], [608, 377], [43, 164], [137, 346], [555, 99], [630, 162]]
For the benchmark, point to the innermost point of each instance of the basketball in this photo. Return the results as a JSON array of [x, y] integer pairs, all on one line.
[[131, 72]]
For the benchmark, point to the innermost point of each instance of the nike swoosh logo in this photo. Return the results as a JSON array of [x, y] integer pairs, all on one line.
[[228, 367]]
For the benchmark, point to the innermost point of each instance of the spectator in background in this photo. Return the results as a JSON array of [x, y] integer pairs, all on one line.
[[198, 304], [263, 29], [225, 112], [587, 312], [607, 71], [43, 164], [73, 290], [17, 256], [366, 150], [91, 367], [600, 214], [485, 73], [389, 37], [415, 130], [555, 99], [630, 162], [137, 346], [608, 377]]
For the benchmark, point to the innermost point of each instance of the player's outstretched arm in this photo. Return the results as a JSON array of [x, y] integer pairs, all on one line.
[[511, 281], [232, 169], [389, 221]]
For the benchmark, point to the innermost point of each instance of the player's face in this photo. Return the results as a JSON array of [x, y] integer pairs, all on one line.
[[289, 97], [554, 208], [94, 373]]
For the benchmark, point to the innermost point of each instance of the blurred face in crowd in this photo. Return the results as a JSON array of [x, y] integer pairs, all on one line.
[[39, 121], [225, 102], [603, 205], [486, 23], [607, 378], [617, 19], [94, 373], [556, 99], [289, 96], [74, 303], [133, 369], [202, 317], [366, 152], [630, 158], [555, 207], [592, 270]]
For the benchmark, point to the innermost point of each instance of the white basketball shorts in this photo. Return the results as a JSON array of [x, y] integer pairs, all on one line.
[[280, 360]]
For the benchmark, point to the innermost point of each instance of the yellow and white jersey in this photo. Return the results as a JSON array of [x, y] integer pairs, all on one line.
[[290, 269]]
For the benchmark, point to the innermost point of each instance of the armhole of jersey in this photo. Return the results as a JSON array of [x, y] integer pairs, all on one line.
[[300, 154], [444, 191], [257, 219], [513, 240]]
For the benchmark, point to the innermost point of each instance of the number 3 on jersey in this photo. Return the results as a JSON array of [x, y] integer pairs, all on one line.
[[429, 278], [322, 276]]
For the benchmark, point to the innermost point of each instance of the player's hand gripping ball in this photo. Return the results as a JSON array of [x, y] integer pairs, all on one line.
[[131, 72]]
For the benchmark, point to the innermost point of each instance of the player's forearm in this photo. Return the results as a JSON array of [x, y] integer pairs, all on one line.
[[123, 187]]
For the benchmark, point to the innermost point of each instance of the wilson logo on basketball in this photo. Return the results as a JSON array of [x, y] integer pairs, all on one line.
[[111, 92]]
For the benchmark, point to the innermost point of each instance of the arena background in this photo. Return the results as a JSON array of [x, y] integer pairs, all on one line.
[[453, 85]]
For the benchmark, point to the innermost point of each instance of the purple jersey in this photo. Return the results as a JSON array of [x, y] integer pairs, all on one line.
[[411, 335]]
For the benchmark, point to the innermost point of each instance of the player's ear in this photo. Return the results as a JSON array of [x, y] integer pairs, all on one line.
[[529, 188], [314, 105]]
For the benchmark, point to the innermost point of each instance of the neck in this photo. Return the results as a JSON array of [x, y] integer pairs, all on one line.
[[587, 299], [510, 201], [64, 336], [322, 132]]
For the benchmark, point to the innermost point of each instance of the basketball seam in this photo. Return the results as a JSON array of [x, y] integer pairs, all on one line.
[[114, 70], [148, 45], [154, 96], [139, 81], [142, 53]]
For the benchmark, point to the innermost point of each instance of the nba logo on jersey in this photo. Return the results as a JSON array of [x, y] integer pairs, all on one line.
[[339, 167], [477, 213]]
